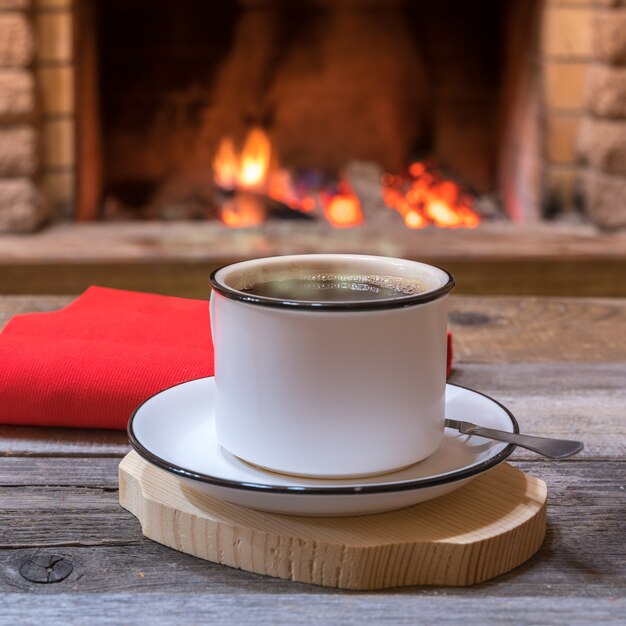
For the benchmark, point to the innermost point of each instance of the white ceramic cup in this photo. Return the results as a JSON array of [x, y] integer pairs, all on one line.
[[330, 389]]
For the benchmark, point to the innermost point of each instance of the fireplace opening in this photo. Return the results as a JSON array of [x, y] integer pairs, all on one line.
[[345, 112]]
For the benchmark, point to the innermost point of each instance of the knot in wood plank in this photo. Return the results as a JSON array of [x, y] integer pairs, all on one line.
[[46, 568], [471, 318]]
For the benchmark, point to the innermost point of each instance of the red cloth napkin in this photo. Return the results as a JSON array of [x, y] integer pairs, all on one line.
[[92, 363]]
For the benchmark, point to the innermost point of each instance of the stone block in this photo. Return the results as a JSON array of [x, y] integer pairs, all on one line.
[[609, 36], [22, 208], [16, 40], [566, 32], [570, 3], [605, 196], [54, 36], [564, 84], [610, 3], [54, 4], [605, 91], [56, 86], [562, 189], [58, 138], [18, 151], [602, 144], [17, 99], [561, 136], [58, 188], [14, 5]]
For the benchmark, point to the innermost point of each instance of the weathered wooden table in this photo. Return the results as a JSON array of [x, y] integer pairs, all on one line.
[[69, 552]]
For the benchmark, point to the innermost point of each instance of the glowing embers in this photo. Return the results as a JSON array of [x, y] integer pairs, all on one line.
[[424, 197], [250, 180], [254, 187]]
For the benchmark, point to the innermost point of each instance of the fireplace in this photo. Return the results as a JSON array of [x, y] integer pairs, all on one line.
[[336, 110], [510, 109]]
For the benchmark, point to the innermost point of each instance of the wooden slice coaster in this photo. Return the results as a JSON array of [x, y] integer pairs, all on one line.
[[486, 528]]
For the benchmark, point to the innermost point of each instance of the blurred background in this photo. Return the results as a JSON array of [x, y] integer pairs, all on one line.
[[144, 143]]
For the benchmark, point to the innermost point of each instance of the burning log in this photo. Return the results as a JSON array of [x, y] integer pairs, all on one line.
[[245, 209]]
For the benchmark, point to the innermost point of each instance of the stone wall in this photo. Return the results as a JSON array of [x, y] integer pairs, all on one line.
[[54, 75], [565, 58], [21, 204], [602, 143]]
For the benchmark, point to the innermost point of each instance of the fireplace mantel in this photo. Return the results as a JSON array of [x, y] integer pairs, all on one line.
[[176, 257]]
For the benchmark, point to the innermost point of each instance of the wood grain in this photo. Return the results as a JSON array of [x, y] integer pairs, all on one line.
[[14, 305], [78, 472], [484, 529], [572, 400], [347, 609], [489, 329], [68, 442], [59, 516], [583, 551], [510, 330], [58, 491]]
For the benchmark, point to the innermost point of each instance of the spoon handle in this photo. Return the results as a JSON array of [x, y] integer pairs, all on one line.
[[552, 448]]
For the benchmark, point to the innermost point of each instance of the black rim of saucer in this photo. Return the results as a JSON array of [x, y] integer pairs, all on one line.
[[420, 483], [302, 305]]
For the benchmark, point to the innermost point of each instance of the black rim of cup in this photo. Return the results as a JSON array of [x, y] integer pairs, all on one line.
[[300, 305]]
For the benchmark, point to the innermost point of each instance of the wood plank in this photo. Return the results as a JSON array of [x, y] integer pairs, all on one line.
[[264, 609], [571, 401], [28, 440], [151, 567], [552, 399], [63, 516], [583, 551], [490, 329], [65, 471], [511, 329], [14, 305], [176, 257]]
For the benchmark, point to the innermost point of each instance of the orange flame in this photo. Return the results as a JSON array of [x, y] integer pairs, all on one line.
[[280, 187], [344, 210], [424, 199], [414, 219], [243, 211], [247, 170], [226, 164], [255, 160]]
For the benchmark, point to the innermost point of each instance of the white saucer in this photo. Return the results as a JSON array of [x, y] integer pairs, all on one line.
[[175, 431]]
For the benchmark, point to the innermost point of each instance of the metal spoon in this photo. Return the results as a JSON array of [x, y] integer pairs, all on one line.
[[552, 448]]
